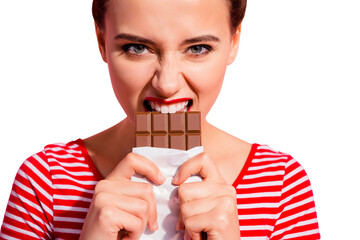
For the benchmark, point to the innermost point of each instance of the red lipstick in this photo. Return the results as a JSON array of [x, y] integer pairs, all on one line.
[[163, 101]]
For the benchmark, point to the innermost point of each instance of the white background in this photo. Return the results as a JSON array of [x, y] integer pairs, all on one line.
[[294, 86]]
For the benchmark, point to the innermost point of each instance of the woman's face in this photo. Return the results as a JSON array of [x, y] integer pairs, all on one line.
[[166, 55]]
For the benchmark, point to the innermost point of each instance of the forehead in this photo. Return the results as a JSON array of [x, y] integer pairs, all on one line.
[[168, 18]]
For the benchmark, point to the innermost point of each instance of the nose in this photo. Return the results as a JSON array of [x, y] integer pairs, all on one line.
[[168, 79]]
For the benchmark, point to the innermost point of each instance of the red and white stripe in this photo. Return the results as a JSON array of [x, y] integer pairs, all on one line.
[[53, 191], [274, 197]]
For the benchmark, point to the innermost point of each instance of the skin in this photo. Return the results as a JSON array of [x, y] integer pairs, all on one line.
[[174, 61]]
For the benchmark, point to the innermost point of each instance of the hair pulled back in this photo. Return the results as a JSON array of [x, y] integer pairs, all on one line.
[[236, 11]]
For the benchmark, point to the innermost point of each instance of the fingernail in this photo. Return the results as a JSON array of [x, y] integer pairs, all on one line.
[[178, 226], [155, 226], [187, 236], [175, 179], [161, 177]]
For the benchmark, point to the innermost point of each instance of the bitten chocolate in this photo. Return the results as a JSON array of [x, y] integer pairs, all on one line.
[[181, 130]]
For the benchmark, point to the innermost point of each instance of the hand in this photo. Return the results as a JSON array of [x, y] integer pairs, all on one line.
[[208, 206], [120, 208]]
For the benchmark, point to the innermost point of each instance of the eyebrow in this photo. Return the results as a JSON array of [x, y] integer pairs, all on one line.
[[134, 38], [203, 38]]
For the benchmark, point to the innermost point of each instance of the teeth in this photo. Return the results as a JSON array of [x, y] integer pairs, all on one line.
[[169, 108], [164, 109], [184, 106], [179, 107], [172, 108]]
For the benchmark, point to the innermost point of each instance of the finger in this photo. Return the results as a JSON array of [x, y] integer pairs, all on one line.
[[133, 226], [145, 192], [199, 164], [148, 195], [134, 163], [142, 209], [180, 225], [219, 221], [197, 207], [200, 207], [204, 190], [122, 220], [188, 237], [202, 210], [196, 226], [136, 189], [133, 192]]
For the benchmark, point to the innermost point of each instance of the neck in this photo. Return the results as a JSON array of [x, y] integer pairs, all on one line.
[[110, 146], [125, 136], [209, 136]]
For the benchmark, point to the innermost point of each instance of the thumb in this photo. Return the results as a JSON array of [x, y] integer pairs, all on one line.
[[134, 163], [200, 164]]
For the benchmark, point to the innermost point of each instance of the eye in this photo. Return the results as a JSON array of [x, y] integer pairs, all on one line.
[[135, 49], [200, 49]]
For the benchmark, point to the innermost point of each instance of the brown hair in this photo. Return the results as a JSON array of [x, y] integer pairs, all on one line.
[[237, 12]]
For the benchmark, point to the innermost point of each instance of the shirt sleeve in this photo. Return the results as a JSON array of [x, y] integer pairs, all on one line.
[[29, 213], [297, 217]]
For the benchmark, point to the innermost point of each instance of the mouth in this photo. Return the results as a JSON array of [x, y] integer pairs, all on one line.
[[172, 106]]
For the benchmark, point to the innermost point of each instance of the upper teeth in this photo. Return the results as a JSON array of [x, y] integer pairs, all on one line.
[[169, 108]]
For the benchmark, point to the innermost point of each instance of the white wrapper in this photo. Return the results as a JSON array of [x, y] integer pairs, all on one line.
[[168, 161]]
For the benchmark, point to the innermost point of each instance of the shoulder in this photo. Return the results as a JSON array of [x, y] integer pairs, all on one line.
[[267, 164], [285, 180], [278, 170], [63, 150], [52, 155], [64, 153], [265, 151], [267, 156]]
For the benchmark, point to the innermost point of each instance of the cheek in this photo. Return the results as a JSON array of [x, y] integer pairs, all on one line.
[[207, 79], [128, 80]]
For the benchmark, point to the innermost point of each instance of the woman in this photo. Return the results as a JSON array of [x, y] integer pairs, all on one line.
[[162, 55]]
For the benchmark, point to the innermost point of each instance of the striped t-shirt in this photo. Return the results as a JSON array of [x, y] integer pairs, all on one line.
[[53, 190]]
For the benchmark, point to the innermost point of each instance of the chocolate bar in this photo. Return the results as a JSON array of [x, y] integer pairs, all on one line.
[[179, 130]]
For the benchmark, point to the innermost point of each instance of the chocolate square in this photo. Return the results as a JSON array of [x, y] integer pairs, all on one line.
[[159, 122], [143, 122], [160, 140], [193, 122], [177, 122], [143, 140], [193, 140], [177, 141]]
